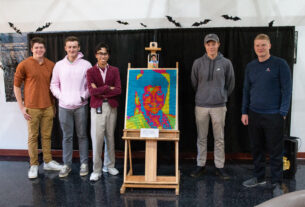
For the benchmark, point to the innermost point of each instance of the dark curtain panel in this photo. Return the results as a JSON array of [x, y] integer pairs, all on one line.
[[183, 46]]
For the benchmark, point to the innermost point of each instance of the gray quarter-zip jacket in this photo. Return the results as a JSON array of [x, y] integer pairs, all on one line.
[[213, 80]]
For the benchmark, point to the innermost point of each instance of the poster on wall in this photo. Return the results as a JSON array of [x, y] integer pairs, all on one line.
[[13, 49], [151, 98]]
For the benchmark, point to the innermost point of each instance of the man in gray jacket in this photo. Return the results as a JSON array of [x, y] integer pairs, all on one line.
[[213, 80]]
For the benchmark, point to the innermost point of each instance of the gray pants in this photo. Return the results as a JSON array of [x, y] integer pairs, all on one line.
[[217, 116], [67, 119], [103, 126]]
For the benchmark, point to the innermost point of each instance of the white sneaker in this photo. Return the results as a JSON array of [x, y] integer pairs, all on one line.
[[64, 172], [95, 176], [83, 170], [111, 170], [52, 165], [33, 172], [105, 169]]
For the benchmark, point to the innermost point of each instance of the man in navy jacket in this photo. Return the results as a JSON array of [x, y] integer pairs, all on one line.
[[266, 100]]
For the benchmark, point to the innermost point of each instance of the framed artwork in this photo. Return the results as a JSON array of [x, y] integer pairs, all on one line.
[[152, 98], [13, 49]]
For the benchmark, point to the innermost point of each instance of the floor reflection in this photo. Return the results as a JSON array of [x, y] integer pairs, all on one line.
[[132, 199], [205, 191]]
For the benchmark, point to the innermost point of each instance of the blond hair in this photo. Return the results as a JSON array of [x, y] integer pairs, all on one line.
[[262, 37]]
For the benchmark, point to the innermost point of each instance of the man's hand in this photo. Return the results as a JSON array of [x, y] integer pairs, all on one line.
[[17, 92], [245, 119], [93, 85], [112, 87], [25, 114]]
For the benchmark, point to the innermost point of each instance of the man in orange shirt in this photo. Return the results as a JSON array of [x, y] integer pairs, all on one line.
[[38, 108]]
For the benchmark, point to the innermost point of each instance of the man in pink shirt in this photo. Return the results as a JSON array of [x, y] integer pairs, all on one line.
[[69, 86]]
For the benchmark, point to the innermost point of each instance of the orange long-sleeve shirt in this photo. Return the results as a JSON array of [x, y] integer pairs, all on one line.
[[36, 78]]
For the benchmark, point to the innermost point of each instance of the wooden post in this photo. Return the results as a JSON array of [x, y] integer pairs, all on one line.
[[151, 161]]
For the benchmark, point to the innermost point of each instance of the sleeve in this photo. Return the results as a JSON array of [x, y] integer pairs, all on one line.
[[194, 76], [55, 82], [286, 88], [102, 90], [86, 93], [230, 78], [246, 93], [117, 86], [20, 75]]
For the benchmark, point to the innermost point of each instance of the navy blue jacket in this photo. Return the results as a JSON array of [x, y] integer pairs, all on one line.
[[267, 87]]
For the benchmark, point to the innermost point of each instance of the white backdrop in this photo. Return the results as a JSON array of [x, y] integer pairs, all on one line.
[[68, 15]]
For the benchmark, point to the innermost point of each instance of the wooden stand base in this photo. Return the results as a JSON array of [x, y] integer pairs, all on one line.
[[150, 179], [161, 182]]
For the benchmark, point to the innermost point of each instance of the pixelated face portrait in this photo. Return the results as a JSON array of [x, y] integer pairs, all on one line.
[[151, 96]]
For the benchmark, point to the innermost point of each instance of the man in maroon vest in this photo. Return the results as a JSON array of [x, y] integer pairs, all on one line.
[[104, 87]]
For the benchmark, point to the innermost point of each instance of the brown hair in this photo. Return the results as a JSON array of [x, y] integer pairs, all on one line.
[[262, 37], [71, 39], [39, 40]]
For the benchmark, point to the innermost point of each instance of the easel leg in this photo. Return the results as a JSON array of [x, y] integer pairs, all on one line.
[[122, 190], [177, 161], [177, 190], [125, 161], [130, 159]]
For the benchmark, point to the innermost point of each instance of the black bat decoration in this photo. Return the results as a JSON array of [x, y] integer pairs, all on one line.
[[170, 19], [231, 17], [39, 29], [143, 24], [121, 22], [271, 23], [15, 28], [196, 24]]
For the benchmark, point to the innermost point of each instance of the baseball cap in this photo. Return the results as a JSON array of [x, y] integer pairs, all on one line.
[[211, 37]]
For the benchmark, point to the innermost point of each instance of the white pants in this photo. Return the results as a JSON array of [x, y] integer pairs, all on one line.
[[103, 126]]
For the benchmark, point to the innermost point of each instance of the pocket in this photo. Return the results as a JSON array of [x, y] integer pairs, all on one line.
[[29, 111]]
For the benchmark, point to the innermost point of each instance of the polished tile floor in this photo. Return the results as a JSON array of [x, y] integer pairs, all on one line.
[[209, 190]]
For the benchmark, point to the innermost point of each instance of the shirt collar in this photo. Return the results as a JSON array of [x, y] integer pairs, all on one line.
[[106, 68]]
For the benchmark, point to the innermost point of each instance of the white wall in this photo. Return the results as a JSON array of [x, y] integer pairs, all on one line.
[[13, 128], [67, 15], [298, 92]]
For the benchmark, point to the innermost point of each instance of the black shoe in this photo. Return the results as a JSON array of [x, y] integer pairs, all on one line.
[[199, 171], [222, 174], [253, 182], [279, 189]]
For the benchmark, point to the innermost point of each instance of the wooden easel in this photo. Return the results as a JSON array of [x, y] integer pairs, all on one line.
[[150, 179]]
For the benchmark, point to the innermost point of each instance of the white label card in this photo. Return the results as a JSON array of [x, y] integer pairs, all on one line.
[[152, 133]]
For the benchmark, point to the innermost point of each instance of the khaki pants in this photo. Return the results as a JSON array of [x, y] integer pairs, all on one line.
[[102, 127], [41, 119], [217, 116]]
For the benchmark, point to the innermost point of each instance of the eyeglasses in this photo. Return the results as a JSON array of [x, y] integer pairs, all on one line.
[[102, 53]]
